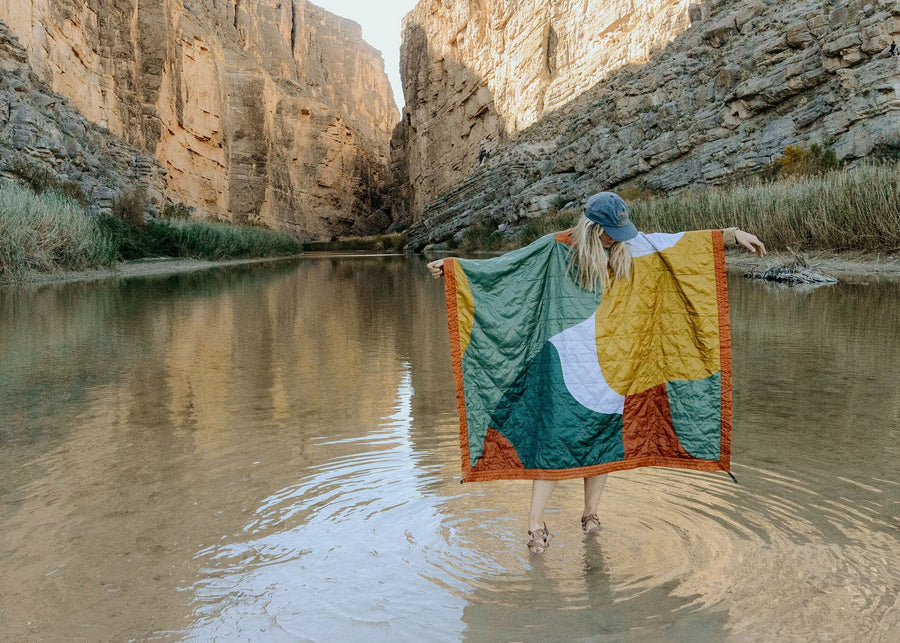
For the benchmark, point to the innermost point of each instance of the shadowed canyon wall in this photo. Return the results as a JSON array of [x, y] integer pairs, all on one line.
[[514, 109], [264, 111], [477, 72]]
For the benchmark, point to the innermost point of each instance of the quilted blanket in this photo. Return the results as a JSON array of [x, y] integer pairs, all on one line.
[[554, 381]]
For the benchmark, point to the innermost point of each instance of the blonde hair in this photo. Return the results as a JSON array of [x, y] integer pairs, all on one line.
[[590, 263]]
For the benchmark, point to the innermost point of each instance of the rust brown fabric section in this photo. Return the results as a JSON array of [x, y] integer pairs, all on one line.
[[456, 358], [724, 348], [564, 237], [498, 454], [647, 429]]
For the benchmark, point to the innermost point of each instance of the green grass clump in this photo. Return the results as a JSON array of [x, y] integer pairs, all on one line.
[[41, 180], [194, 239], [47, 232], [386, 244], [483, 237], [554, 222], [856, 209]]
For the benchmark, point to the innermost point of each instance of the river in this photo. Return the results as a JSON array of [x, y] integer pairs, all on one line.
[[270, 452]]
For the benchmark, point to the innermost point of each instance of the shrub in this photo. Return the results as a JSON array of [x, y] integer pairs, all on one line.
[[73, 191], [47, 232], [554, 222], [126, 238], [637, 191], [797, 161], [887, 152], [41, 180], [483, 236], [176, 211], [37, 177], [131, 206]]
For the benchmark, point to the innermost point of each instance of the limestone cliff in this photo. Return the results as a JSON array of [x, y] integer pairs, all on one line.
[[477, 72], [270, 111], [668, 94], [45, 140]]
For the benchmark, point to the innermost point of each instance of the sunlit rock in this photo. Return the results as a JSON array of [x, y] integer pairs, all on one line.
[[264, 111], [517, 109]]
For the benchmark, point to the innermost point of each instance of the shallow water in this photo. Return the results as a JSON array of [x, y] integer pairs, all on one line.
[[269, 452]]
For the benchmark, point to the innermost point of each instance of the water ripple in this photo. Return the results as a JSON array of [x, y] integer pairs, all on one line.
[[704, 542]]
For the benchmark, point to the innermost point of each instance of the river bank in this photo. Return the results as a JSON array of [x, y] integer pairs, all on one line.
[[847, 267], [126, 269], [50, 233]]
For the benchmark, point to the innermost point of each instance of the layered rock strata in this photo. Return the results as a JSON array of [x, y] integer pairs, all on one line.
[[267, 111], [477, 73], [722, 98], [43, 138]]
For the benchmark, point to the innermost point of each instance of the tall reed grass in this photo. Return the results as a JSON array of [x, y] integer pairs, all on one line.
[[856, 209], [47, 232], [196, 239]]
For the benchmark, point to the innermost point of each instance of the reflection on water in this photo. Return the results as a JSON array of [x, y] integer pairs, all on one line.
[[271, 452]]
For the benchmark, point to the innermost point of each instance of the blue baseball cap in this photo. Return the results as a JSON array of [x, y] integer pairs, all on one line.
[[609, 210]]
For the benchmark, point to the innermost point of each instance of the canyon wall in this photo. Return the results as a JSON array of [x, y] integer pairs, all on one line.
[[45, 141], [265, 111], [477, 72], [714, 90]]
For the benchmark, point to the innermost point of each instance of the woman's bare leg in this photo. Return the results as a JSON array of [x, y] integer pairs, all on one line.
[[593, 489], [540, 495]]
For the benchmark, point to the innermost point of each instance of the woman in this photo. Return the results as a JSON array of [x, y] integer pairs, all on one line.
[[601, 252]]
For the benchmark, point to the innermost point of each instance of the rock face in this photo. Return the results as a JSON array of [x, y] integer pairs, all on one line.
[[43, 138], [477, 73], [268, 111], [736, 83]]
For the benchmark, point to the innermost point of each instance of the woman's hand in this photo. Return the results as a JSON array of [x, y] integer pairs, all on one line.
[[750, 242], [437, 268]]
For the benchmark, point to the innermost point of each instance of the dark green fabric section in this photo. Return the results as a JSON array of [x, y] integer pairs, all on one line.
[[521, 299], [697, 421], [548, 427]]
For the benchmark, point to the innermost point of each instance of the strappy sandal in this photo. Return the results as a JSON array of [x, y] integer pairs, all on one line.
[[591, 524], [538, 540]]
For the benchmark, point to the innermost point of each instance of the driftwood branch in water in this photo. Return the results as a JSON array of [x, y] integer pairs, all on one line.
[[794, 272]]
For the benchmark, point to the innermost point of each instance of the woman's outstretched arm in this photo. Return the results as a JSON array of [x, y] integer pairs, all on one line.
[[750, 241], [436, 268]]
